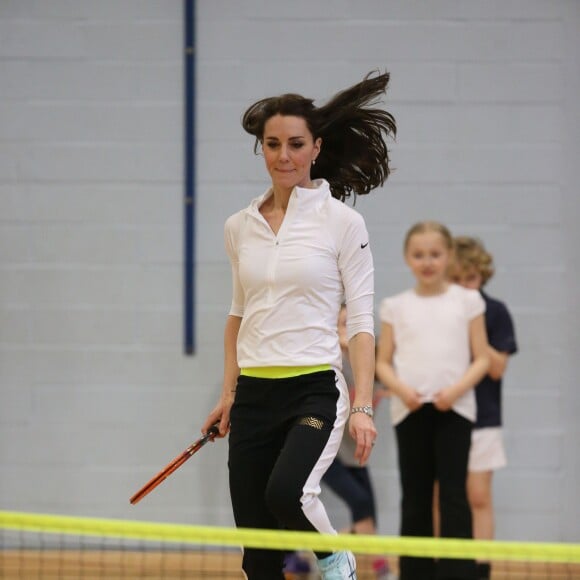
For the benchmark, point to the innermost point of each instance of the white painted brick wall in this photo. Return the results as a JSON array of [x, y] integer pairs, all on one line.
[[91, 164]]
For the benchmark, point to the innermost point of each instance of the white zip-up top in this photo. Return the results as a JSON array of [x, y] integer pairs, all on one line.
[[287, 288]]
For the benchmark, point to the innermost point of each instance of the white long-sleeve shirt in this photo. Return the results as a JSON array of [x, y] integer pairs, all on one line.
[[287, 288]]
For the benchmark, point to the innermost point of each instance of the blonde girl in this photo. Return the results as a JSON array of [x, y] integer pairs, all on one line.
[[432, 352]]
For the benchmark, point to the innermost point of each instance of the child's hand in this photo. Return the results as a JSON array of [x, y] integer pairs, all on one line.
[[380, 393], [351, 394], [444, 399], [412, 399]]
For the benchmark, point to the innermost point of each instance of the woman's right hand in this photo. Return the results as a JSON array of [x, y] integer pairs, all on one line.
[[411, 399], [220, 414]]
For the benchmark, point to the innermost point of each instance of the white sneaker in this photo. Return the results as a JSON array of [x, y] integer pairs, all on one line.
[[338, 566]]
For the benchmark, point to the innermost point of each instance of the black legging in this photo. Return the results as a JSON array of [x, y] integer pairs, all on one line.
[[353, 485], [284, 435], [434, 445]]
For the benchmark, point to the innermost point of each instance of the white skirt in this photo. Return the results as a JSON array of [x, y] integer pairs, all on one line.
[[487, 451]]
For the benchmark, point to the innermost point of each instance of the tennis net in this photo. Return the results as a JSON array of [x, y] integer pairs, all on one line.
[[51, 547]]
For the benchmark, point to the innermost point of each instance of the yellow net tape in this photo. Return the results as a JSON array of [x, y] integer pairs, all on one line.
[[287, 540]]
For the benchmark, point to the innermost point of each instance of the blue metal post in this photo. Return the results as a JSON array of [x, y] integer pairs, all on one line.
[[189, 162]]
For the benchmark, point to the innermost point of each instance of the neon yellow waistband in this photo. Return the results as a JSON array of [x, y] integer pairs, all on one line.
[[282, 372]]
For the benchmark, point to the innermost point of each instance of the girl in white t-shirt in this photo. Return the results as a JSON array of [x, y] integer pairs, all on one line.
[[432, 352]]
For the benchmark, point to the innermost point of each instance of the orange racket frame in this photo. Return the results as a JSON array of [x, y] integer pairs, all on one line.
[[174, 465]]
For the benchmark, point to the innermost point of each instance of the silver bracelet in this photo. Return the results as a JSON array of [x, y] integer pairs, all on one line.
[[367, 410]]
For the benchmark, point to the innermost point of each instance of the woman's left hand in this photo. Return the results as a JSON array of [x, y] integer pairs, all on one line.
[[362, 430]]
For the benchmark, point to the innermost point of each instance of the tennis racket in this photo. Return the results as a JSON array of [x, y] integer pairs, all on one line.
[[175, 464]]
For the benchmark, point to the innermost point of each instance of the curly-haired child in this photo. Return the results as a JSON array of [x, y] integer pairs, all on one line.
[[473, 268]]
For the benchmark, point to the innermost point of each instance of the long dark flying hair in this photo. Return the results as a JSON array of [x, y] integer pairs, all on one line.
[[354, 157]]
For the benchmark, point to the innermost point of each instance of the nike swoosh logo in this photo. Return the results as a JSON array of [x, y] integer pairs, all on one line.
[[363, 246]]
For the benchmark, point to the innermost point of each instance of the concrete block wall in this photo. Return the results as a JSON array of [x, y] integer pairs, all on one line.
[[95, 393]]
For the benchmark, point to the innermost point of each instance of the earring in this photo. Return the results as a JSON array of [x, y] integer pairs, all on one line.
[[314, 162]]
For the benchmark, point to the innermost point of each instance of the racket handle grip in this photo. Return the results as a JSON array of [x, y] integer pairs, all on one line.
[[213, 430]]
